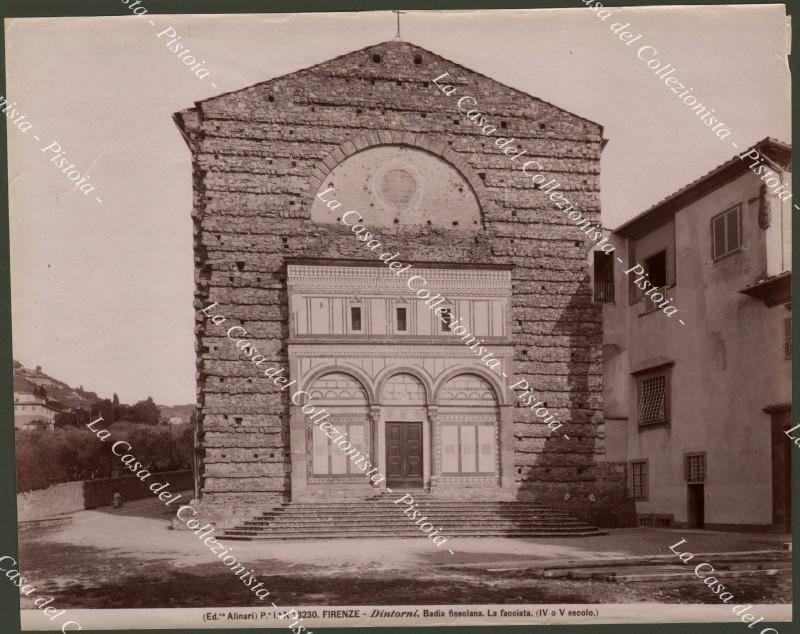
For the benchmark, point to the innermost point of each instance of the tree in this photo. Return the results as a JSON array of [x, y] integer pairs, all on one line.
[[146, 412], [103, 408], [114, 408], [72, 418]]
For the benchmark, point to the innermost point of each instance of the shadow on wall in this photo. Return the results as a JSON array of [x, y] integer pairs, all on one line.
[[567, 474]]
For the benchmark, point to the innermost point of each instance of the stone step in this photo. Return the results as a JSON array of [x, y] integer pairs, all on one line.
[[390, 514], [394, 510], [379, 526], [494, 505], [410, 528], [376, 528], [380, 518], [430, 501], [249, 536], [393, 517]]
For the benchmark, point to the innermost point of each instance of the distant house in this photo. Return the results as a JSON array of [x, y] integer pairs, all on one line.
[[176, 420], [31, 411]]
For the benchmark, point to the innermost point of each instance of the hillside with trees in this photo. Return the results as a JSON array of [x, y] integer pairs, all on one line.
[[73, 452]]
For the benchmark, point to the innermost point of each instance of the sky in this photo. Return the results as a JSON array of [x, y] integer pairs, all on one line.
[[102, 291]]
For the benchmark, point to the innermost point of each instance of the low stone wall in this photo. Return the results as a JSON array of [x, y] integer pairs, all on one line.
[[69, 497], [66, 497], [100, 492]]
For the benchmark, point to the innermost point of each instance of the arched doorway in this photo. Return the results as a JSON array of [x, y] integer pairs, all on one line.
[[405, 437]]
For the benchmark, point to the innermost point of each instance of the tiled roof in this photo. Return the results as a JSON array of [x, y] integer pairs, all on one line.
[[698, 182]]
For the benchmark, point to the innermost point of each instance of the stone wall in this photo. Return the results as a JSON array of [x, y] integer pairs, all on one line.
[[259, 156], [69, 497], [58, 499]]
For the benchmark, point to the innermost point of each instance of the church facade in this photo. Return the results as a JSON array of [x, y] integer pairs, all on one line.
[[354, 331]]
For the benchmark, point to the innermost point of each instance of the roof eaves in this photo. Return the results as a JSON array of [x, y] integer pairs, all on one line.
[[661, 211]]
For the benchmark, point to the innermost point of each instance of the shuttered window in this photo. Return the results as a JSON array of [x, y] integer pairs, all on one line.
[[726, 232]]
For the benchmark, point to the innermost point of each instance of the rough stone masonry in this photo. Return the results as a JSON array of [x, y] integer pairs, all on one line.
[[260, 154]]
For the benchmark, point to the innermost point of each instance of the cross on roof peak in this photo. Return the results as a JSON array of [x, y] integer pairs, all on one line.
[[399, 13]]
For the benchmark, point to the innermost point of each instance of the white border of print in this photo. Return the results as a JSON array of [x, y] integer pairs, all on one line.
[[641, 613]]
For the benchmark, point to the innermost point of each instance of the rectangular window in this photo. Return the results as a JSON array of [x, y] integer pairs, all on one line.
[[328, 459], [401, 320], [695, 468], [787, 338], [726, 233], [603, 277], [355, 318], [486, 449], [653, 397], [638, 480], [468, 453], [320, 456], [655, 268], [447, 317], [450, 449], [468, 449]]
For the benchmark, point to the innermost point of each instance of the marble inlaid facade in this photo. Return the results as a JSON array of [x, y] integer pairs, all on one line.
[[370, 352]]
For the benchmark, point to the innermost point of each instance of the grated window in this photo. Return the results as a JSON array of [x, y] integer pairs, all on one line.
[[787, 338], [638, 481], [695, 468], [652, 400]]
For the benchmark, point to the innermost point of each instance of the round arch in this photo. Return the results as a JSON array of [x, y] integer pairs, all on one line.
[[395, 137], [486, 375], [355, 373], [418, 373]]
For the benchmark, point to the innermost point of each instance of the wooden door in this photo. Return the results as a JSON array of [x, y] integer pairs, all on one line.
[[696, 506], [782, 470], [404, 454]]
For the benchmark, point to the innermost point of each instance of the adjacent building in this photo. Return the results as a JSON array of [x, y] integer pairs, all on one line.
[[696, 400]]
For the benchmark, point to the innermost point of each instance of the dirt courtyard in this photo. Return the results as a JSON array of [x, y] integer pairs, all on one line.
[[130, 558]]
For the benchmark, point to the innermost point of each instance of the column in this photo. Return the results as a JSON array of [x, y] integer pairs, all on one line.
[[375, 446], [430, 473], [297, 447]]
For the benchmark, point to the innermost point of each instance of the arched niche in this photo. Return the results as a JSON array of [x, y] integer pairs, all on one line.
[[403, 389], [396, 185]]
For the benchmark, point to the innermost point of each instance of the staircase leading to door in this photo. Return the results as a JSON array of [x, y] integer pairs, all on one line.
[[380, 517]]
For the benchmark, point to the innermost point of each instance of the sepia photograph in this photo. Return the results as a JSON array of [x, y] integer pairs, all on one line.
[[400, 318]]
